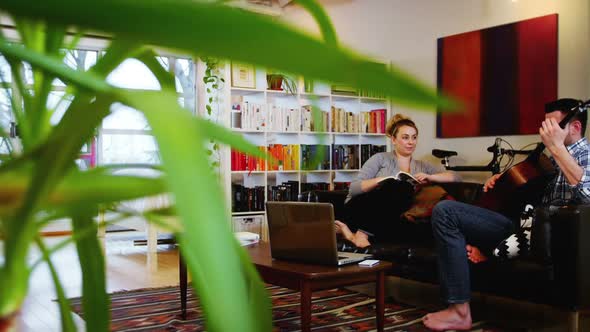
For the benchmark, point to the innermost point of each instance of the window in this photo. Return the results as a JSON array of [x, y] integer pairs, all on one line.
[[124, 135]]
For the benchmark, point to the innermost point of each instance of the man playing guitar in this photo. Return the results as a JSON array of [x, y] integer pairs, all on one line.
[[466, 232]]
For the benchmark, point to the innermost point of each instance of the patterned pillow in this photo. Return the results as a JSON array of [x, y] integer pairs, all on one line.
[[517, 244]]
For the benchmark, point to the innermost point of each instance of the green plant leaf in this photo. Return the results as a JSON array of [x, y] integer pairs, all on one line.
[[67, 322], [166, 79], [319, 14], [78, 189], [95, 301], [240, 41], [199, 202], [56, 66]]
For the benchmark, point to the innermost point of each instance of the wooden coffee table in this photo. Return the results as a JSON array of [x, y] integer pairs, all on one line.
[[308, 278]]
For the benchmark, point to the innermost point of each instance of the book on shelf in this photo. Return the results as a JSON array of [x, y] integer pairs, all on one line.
[[240, 161], [344, 121], [339, 89], [368, 150], [373, 121], [287, 191], [308, 123], [281, 118], [402, 176], [345, 156], [247, 115], [246, 199], [310, 152]]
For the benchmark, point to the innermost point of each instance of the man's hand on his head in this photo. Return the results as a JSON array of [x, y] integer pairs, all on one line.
[[551, 133]]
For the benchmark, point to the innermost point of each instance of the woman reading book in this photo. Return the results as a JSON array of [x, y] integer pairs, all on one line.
[[383, 190]]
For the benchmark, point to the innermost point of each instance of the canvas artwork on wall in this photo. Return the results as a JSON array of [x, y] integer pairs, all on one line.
[[503, 76]]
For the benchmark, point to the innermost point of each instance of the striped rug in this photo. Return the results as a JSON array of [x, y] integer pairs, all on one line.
[[332, 310]]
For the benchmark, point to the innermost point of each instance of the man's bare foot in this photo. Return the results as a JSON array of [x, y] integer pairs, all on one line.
[[455, 317], [475, 255]]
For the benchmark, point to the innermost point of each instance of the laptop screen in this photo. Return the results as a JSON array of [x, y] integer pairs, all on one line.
[[302, 231]]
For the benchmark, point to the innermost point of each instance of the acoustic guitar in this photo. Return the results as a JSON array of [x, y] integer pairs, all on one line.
[[525, 182]]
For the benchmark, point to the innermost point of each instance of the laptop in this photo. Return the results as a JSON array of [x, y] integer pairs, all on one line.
[[304, 232]]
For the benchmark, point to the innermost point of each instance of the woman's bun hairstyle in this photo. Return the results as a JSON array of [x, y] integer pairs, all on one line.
[[396, 122]]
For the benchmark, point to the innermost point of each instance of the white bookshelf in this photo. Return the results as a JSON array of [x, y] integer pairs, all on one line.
[[264, 136]]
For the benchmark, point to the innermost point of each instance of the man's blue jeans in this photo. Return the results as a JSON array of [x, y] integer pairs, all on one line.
[[455, 225]]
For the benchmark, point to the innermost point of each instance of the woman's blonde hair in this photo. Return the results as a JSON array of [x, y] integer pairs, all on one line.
[[396, 122]]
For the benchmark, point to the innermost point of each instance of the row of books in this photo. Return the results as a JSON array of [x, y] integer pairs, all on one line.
[[283, 118], [371, 94], [374, 121], [246, 199], [344, 121], [345, 156], [310, 154], [286, 191], [290, 157], [309, 124], [243, 162], [253, 116], [287, 157], [368, 150], [246, 115]]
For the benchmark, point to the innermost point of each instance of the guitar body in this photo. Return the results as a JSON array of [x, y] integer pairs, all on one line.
[[523, 183]]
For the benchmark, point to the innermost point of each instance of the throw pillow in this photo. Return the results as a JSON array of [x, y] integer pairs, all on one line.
[[518, 243], [424, 201]]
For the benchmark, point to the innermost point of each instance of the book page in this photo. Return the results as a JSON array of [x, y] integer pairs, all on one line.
[[403, 176]]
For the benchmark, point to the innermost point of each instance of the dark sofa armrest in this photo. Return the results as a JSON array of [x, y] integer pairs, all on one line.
[[561, 238]]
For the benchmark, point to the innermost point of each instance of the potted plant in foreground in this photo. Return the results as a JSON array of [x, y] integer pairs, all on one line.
[[40, 183]]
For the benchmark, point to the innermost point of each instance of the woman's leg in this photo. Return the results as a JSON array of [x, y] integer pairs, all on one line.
[[378, 211]]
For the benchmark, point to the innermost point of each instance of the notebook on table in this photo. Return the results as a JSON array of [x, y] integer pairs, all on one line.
[[305, 232]]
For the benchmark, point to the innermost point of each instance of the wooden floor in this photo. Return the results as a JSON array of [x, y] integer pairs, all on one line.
[[128, 267]]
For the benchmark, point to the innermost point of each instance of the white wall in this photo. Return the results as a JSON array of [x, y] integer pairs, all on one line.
[[406, 31]]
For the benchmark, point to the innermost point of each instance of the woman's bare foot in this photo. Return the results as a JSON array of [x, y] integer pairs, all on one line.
[[359, 238], [342, 228], [455, 317], [475, 255]]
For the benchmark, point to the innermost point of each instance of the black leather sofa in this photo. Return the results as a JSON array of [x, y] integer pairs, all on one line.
[[556, 271]]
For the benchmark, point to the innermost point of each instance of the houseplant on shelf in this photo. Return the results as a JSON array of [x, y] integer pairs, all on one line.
[[281, 82], [41, 184]]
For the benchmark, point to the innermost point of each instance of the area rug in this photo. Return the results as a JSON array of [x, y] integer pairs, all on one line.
[[332, 310]]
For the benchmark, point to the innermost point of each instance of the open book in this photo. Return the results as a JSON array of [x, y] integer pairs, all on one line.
[[403, 176]]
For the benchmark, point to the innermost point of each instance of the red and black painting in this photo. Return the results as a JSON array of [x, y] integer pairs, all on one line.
[[503, 76]]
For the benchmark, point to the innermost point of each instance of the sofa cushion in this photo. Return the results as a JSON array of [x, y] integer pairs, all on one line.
[[424, 201]]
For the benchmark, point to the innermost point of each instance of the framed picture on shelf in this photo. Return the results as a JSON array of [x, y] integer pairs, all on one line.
[[243, 76]]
